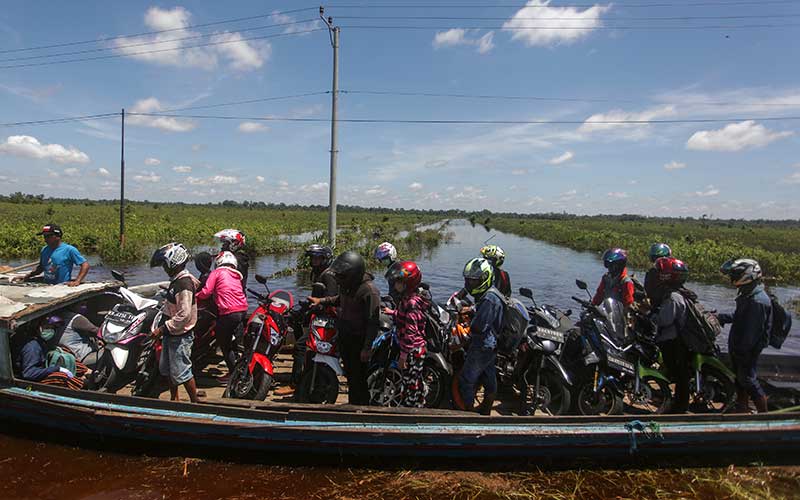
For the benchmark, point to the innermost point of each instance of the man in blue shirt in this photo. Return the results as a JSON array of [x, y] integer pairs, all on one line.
[[57, 259]]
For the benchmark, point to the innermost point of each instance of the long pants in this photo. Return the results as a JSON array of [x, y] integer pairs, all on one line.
[[299, 353], [224, 330], [676, 357], [744, 364], [354, 369], [413, 386], [478, 365]]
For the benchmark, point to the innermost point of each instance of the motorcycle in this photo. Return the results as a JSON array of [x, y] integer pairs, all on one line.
[[265, 333], [319, 382], [619, 360], [125, 332], [543, 382]]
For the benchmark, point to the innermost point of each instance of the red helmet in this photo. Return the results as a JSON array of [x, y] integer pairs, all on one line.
[[406, 272], [671, 271]]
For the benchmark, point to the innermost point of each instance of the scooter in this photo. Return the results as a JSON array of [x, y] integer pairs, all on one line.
[[319, 382], [265, 333]]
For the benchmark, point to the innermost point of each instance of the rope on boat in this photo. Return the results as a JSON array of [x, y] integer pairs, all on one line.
[[650, 430]]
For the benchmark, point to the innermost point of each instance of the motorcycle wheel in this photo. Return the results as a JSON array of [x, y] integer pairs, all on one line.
[[717, 392], [554, 397], [655, 397], [604, 402], [326, 386], [244, 385], [385, 388], [146, 382], [435, 382]]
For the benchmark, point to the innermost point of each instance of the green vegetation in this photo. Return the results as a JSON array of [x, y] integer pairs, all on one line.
[[703, 244], [93, 227]]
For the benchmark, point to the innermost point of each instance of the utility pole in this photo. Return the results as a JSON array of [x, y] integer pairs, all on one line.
[[333, 32], [122, 185]]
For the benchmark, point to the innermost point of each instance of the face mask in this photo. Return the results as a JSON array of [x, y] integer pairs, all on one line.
[[47, 334]]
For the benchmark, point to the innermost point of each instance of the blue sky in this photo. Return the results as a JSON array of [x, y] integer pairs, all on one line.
[[743, 168]]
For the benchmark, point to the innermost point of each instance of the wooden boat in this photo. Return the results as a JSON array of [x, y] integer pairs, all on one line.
[[334, 432]]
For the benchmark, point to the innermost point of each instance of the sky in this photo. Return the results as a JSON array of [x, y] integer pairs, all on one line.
[[618, 61]]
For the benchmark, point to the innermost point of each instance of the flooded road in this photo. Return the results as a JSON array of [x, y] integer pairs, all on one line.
[[35, 470]]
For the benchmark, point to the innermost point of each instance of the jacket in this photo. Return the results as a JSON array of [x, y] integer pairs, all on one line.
[[619, 288], [751, 322], [225, 285], [180, 306], [327, 278], [359, 313], [410, 321], [502, 281], [488, 320], [671, 317], [32, 361]]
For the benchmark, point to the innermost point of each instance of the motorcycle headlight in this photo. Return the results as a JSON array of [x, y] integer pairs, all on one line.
[[591, 359], [324, 347]]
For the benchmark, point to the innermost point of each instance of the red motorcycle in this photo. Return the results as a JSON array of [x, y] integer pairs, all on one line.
[[319, 382], [265, 333]]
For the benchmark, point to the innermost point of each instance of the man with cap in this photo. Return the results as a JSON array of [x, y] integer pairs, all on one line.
[[57, 258]]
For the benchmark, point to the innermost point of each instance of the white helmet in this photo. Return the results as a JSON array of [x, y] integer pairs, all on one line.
[[226, 259], [171, 256], [386, 251], [741, 271], [231, 239]]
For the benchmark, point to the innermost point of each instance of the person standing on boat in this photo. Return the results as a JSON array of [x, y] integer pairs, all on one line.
[[496, 256], [616, 283], [479, 364], [410, 322], [181, 308], [358, 321], [751, 323], [319, 258], [57, 258], [670, 275], [233, 240], [224, 284], [657, 251]]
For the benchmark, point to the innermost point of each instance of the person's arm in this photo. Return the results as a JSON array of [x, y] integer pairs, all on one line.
[[599, 295], [331, 287], [178, 322], [33, 368], [332, 300], [627, 292], [37, 271], [725, 317], [83, 326], [208, 288], [80, 260], [371, 309]]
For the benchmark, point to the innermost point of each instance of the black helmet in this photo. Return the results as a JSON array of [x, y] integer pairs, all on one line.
[[349, 269], [203, 262], [319, 250]]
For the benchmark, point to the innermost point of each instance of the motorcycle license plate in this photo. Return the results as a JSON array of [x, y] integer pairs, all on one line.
[[547, 334], [323, 323], [120, 317], [621, 364]]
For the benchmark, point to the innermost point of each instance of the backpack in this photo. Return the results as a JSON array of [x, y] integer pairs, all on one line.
[[62, 358], [702, 327], [781, 323], [515, 323]]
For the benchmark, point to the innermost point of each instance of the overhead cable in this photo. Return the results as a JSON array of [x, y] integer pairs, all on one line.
[[584, 27], [572, 18], [571, 5], [61, 120]]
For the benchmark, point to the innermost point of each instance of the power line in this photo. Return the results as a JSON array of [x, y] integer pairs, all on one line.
[[573, 18], [565, 28], [248, 101], [61, 120], [573, 5], [192, 26], [158, 42], [471, 122], [114, 56], [554, 99]]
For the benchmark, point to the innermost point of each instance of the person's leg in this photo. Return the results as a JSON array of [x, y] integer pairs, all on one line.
[[489, 378], [350, 351], [299, 353], [413, 387], [750, 376], [226, 324], [359, 372], [181, 366], [682, 366], [678, 372], [474, 366]]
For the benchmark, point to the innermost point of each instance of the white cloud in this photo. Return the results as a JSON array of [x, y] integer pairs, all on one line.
[[710, 191], [182, 169], [538, 14], [279, 18], [152, 162], [30, 147], [152, 105], [375, 191], [674, 165], [415, 186], [213, 180], [147, 177], [735, 137], [632, 130], [71, 172], [534, 201], [250, 127], [459, 36], [260, 178], [519, 171], [104, 172], [319, 187], [792, 179], [229, 46], [618, 194], [558, 160]]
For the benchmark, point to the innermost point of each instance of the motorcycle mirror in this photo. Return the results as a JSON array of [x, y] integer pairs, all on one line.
[[118, 275], [318, 290], [582, 285], [261, 279], [568, 313], [526, 292]]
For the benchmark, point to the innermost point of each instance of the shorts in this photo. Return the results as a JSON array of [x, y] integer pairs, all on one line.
[[176, 357]]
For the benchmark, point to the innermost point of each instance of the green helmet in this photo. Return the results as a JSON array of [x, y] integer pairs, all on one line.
[[478, 276], [494, 254], [658, 250]]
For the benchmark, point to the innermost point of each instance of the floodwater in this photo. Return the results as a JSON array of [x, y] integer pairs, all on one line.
[[35, 470]]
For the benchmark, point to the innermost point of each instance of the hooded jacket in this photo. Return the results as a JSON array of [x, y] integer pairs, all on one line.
[[618, 288], [359, 313], [751, 322], [225, 285]]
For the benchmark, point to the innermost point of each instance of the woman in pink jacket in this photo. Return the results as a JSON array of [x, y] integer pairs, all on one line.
[[225, 285]]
